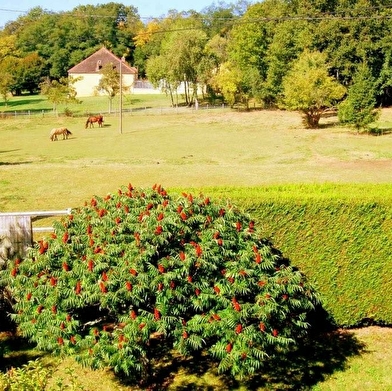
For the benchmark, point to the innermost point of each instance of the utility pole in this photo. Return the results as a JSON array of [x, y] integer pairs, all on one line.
[[121, 61]]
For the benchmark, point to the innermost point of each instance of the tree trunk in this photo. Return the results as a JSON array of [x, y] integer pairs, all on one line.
[[171, 95], [312, 119]]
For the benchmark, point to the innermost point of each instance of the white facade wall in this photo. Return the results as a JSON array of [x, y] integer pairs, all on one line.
[[87, 85]]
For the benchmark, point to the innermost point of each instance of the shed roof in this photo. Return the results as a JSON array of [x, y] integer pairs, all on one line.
[[97, 60]]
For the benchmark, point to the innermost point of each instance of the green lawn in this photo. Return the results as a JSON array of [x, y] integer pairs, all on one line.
[[36, 104], [217, 150], [201, 149]]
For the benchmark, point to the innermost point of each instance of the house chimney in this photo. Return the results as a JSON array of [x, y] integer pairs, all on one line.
[[99, 65]]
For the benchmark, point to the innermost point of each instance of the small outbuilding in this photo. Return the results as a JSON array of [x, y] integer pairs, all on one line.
[[90, 72]]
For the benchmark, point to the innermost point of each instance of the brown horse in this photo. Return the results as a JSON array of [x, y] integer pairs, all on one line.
[[58, 132], [94, 118]]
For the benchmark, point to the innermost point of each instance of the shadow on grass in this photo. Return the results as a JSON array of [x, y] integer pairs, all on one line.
[[22, 102], [330, 124], [379, 131], [320, 354], [14, 163], [315, 358], [11, 150], [22, 351], [324, 351], [310, 363]]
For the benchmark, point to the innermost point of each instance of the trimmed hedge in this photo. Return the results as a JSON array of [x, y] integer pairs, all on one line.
[[342, 240]]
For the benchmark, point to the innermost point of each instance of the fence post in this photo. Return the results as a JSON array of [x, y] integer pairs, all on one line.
[[15, 237]]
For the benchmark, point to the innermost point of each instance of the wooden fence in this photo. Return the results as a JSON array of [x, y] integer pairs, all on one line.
[[16, 231]]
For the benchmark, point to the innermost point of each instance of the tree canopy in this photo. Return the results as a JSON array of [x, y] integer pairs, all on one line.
[[307, 87], [59, 91], [110, 82], [260, 41]]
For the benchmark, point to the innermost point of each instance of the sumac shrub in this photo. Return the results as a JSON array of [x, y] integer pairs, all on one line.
[[139, 263]]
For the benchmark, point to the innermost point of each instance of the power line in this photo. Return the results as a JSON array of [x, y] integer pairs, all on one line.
[[326, 15], [74, 13], [9, 10], [341, 15]]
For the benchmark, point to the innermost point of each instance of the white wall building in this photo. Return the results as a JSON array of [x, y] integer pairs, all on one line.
[[90, 72]]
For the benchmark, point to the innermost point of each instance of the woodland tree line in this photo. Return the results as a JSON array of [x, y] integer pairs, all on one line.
[[298, 54]]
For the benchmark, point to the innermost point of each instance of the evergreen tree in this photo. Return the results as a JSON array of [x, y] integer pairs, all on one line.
[[358, 109]]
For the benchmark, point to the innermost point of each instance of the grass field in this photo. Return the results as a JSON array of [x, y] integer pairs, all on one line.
[[220, 149], [201, 149]]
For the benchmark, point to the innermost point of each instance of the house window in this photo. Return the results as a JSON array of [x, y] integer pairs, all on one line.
[[99, 65]]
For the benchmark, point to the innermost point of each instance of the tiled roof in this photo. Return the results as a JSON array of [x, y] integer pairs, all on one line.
[[97, 60]]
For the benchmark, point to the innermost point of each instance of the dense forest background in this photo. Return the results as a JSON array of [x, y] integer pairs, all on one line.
[[236, 51]]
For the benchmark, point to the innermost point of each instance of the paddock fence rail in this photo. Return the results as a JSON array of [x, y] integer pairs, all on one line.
[[17, 230], [130, 110]]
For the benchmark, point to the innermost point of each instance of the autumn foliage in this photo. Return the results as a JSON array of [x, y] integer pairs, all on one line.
[[139, 263]]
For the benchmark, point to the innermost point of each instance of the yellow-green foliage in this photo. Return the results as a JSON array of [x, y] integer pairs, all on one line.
[[32, 376], [341, 240]]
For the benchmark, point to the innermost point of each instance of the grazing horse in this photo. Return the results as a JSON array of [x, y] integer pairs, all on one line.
[[58, 132], [94, 118]]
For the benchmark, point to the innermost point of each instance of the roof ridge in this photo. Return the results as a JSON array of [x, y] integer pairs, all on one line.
[[90, 64]]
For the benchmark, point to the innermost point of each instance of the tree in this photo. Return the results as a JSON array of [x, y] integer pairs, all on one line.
[[162, 76], [59, 91], [8, 61], [7, 78], [8, 47], [361, 33], [286, 44], [66, 38], [215, 55], [185, 51], [28, 73], [358, 109], [180, 46], [109, 83], [229, 80], [249, 44], [148, 43], [218, 19], [308, 88], [385, 79], [139, 264]]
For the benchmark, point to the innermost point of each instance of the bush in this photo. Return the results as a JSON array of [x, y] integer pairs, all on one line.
[[139, 264], [32, 376], [68, 112]]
